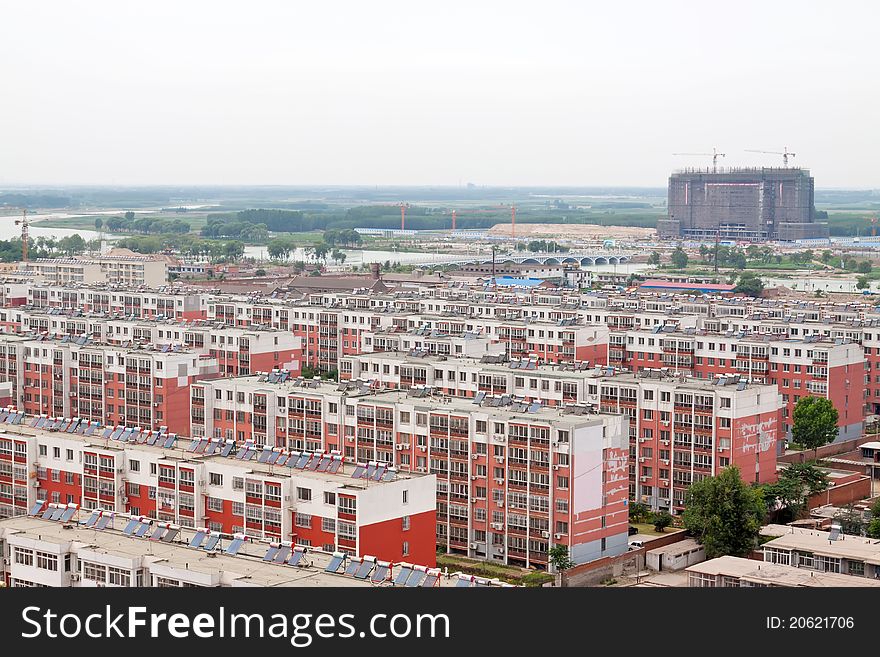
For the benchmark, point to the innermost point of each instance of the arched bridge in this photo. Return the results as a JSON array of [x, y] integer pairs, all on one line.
[[584, 259]]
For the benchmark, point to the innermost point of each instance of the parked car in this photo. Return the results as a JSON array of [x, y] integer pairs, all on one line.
[[635, 545], [633, 530]]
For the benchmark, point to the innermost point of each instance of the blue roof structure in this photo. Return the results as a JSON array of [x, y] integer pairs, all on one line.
[[516, 282]]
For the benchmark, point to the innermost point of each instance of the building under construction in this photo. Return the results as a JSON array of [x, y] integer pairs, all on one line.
[[742, 204]]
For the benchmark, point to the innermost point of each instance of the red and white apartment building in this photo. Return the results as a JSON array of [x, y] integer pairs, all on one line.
[[392, 518], [104, 383], [680, 429], [167, 302], [511, 479]]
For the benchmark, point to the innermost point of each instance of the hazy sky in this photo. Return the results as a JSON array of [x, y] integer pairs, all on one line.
[[382, 92]]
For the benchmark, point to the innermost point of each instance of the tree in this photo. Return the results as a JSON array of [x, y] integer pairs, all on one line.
[[638, 512], [99, 222], [815, 423], [862, 283], [280, 248], [787, 498], [851, 521], [874, 525], [864, 267], [826, 257], [654, 258], [724, 514], [260, 272], [559, 557], [679, 258], [750, 285], [704, 253], [662, 520], [129, 216]]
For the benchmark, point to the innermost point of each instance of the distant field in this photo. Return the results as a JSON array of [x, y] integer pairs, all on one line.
[[87, 222]]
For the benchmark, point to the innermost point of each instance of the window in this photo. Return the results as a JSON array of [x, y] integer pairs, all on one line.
[[24, 557], [215, 504], [134, 466], [303, 520], [47, 561], [330, 498], [304, 494], [238, 483], [94, 572], [328, 525], [347, 530], [405, 523], [118, 577], [405, 496], [347, 505]]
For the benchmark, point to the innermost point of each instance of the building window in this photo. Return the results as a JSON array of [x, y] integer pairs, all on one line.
[[304, 494], [215, 479], [24, 557], [330, 498], [303, 520], [405, 523], [405, 548], [328, 525]]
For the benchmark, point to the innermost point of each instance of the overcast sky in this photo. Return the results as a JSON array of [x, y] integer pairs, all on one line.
[[382, 92]]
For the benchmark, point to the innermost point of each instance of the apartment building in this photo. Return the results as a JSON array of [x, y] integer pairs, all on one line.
[[799, 367], [130, 270], [78, 550], [77, 378], [159, 302], [512, 478], [306, 498], [683, 430]]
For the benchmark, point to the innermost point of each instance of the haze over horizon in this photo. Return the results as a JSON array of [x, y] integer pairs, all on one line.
[[400, 94]]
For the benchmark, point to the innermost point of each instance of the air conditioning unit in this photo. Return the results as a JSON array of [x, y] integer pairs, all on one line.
[[473, 500], [37, 483], [545, 534], [644, 478], [420, 469], [474, 546], [499, 481], [287, 498], [124, 500], [556, 467], [500, 503], [422, 448], [498, 526], [720, 449], [473, 477], [642, 459], [499, 549], [74, 577], [475, 456], [499, 459], [558, 536], [665, 461]]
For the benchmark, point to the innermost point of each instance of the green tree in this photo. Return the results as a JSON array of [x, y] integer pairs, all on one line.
[[814, 423], [750, 285], [679, 258], [826, 257], [662, 520], [280, 248], [724, 514], [638, 512], [787, 498], [99, 222], [654, 258], [129, 216], [862, 283], [874, 525], [559, 557], [864, 267]]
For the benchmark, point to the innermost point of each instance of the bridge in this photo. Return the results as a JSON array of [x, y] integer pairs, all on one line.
[[583, 259]]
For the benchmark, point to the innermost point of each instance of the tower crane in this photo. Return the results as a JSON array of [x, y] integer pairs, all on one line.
[[785, 154], [403, 207], [24, 233], [714, 155]]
